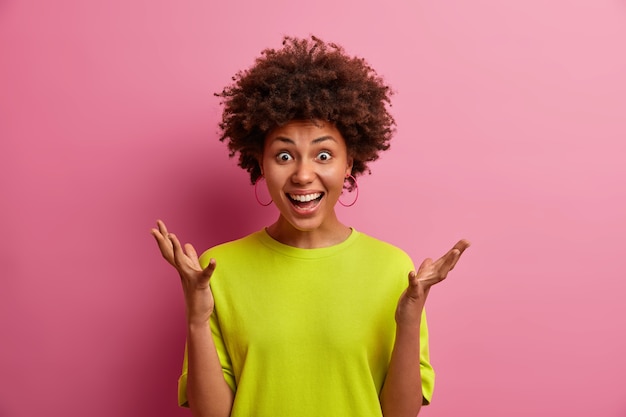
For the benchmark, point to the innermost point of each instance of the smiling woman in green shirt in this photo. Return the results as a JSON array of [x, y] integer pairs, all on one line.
[[307, 317]]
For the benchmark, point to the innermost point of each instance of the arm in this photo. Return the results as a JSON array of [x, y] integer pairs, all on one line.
[[208, 393], [401, 395]]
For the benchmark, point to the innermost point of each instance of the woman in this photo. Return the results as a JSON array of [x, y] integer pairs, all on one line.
[[303, 318]]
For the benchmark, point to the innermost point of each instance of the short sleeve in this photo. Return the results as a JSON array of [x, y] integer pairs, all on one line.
[[182, 383], [426, 370], [224, 361]]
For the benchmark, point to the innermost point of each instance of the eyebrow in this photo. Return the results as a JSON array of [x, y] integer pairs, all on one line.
[[317, 140]]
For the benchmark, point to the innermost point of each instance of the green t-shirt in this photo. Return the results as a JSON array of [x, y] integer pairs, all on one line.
[[307, 332]]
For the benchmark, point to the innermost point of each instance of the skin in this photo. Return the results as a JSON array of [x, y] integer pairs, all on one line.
[[301, 158], [304, 158], [207, 391], [398, 397]]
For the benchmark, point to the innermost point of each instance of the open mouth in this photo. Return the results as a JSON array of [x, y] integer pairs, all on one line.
[[305, 201]]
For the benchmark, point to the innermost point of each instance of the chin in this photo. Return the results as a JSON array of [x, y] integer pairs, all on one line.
[[305, 226]]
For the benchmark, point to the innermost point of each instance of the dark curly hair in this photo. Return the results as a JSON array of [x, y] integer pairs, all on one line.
[[307, 79]]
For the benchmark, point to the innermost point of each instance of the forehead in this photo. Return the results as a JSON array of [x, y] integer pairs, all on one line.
[[304, 131]]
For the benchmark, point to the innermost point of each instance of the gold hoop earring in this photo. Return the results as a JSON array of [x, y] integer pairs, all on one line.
[[256, 194], [356, 185]]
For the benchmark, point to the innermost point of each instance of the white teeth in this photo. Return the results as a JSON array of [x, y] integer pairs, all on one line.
[[304, 198]]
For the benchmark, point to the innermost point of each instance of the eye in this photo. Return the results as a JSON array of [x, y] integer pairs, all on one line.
[[324, 156], [284, 157]]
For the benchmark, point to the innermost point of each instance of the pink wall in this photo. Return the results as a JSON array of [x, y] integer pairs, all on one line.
[[511, 133]]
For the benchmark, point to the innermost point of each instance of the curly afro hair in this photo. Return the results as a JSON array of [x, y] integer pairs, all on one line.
[[307, 79]]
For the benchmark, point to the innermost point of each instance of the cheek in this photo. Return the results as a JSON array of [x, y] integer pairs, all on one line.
[[335, 178], [275, 180], [272, 182]]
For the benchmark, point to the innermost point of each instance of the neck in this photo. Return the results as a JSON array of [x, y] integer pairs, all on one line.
[[321, 237]]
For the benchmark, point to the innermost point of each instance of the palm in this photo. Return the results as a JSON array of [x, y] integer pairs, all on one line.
[[429, 273], [194, 279]]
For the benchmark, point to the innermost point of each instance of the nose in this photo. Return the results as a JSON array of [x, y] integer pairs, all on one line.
[[304, 173]]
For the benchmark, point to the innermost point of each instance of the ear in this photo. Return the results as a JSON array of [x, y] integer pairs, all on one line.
[[349, 166]]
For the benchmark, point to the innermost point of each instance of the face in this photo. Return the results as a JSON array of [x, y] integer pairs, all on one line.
[[305, 165]]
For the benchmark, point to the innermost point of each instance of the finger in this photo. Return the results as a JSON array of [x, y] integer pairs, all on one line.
[[162, 227], [190, 251], [192, 254], [177, 248], [460, 246], [427, 274], [414, 291], [449, 260], [208, 271], [425, 264], [440, 269], [413, 279], [165, 246], [158, 235], [454, 260]]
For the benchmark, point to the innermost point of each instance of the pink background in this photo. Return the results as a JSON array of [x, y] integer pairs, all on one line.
[[511, 132]]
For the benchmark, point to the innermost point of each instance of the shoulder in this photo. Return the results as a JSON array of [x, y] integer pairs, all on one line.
[[369, 242], [237, 248], [380, 249]]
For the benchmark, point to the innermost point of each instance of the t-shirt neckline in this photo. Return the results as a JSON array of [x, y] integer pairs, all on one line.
[[314, 253]]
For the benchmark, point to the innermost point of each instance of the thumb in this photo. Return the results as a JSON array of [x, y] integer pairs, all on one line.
[[413, 291], [412, 279], [208, 271]]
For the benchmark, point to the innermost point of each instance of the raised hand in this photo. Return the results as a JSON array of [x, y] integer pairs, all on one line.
[[429, 273], [194, 279]]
